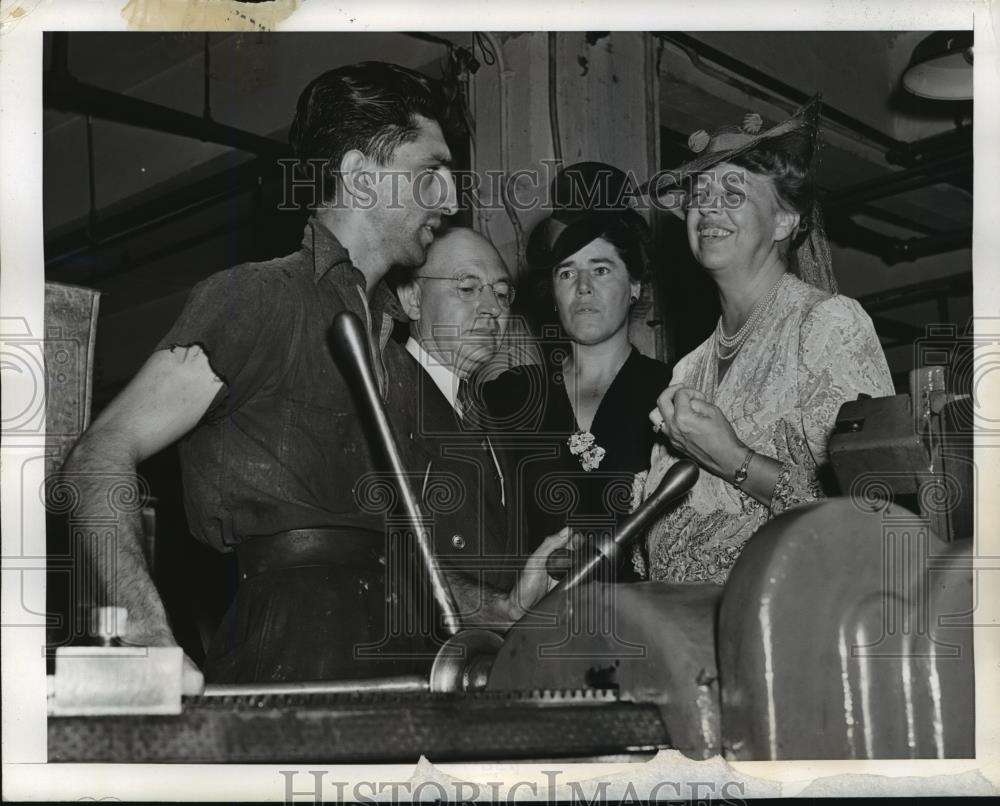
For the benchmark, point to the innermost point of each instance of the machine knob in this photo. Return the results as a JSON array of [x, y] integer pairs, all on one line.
[[464, 661]]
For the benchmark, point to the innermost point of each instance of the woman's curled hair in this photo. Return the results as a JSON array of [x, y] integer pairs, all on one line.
[[628, 233], [791, 173]]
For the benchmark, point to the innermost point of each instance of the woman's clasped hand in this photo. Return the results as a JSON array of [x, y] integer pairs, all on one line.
[[698, 429]]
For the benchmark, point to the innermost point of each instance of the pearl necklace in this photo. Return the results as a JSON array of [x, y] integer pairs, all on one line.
[[733, 343]]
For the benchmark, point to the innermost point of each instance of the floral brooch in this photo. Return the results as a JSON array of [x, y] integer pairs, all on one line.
[[583, 445]]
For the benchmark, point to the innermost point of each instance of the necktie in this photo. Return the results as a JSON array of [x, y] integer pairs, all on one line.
[[463, 400], [467, 413]]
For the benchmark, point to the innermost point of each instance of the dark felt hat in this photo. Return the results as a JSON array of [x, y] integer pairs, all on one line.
[[586, 197], [796, 135]]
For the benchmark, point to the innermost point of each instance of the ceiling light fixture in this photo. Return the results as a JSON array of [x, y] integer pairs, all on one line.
[[941, 67]]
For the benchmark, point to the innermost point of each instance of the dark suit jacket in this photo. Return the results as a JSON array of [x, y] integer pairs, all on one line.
[[454, 472]]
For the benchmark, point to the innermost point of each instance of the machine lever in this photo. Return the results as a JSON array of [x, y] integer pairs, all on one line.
[[564, 561], [577, 567], [350, 347]]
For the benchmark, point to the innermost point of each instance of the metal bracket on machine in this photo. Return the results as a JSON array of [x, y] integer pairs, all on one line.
[[903, 445], [464, 660]]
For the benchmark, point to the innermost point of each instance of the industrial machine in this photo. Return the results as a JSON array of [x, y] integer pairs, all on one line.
[[844, 631]]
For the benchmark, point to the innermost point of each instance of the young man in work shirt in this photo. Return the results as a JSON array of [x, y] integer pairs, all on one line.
[[272, 443]]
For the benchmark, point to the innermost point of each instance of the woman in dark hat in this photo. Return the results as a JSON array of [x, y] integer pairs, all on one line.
[[755, 404], [579, 418]]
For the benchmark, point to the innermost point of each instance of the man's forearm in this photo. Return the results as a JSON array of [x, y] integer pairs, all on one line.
[[108, 489]]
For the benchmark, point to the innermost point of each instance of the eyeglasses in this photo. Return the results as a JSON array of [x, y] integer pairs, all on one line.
[[470, 289]]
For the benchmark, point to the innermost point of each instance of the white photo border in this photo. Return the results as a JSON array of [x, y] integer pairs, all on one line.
[[28, 777]]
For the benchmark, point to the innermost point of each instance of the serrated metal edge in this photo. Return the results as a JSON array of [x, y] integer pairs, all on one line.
[[534, 696]]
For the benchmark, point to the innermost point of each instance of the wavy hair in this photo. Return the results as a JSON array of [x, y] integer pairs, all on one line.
[[792, 176], [369, 106], [628, 233], [788, 163]]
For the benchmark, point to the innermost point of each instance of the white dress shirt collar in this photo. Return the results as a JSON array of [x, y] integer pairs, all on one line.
[[444, 378], [447, 381]]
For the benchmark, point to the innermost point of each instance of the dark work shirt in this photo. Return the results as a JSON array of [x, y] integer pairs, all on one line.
[[530, 407], [282, 445]]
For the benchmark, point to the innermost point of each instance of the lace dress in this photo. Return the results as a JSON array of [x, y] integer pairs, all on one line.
[[810, 354]]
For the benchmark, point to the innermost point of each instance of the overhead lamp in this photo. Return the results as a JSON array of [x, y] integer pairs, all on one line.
[[941, 67]]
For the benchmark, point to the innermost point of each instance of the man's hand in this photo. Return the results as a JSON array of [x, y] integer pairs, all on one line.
[[534, 581], [192, 680], [698, 429], [484, 605]]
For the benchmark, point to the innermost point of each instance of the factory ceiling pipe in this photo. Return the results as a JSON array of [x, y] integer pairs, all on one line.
[[921, 175], [776, 91], [65, 93]]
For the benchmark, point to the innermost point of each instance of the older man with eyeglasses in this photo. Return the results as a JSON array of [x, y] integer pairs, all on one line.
[[459, 304]]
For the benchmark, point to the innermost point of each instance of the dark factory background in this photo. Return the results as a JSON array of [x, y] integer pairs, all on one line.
[[161, 167]]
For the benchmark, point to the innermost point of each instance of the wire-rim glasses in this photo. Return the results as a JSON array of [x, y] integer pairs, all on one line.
[[471, 288]]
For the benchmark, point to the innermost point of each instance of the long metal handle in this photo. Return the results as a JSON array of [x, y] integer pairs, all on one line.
[[350, 346], [676, 483], [401, 683]]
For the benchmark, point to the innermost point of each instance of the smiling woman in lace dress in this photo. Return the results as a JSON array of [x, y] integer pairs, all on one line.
[[755, 404]]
